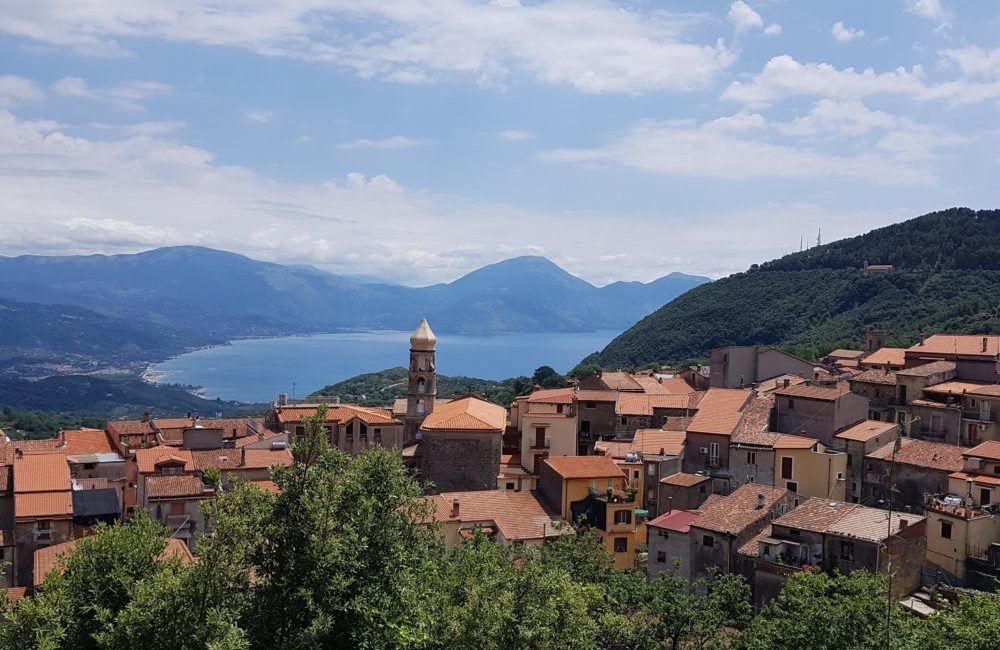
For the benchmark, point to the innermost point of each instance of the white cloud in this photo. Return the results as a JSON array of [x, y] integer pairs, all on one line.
[[257, 116], [743, 17], [975, 62], [930, 9], [514, 135], [128, 95], [738, 148], [393, 142], [842, 118], [773, 29], [158, 127], [593, 46], [15, 90], [843, 34]]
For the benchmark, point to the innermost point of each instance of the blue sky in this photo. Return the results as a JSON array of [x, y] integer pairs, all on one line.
[[418, 139]]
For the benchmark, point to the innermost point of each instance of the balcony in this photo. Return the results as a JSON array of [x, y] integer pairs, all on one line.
[[614, 496], [955, 506], [977, 416]]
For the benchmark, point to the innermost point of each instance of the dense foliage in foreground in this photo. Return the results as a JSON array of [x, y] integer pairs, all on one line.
[[336, 561], [946, 279]]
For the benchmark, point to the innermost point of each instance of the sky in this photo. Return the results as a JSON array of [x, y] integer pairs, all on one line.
[[416, 140]]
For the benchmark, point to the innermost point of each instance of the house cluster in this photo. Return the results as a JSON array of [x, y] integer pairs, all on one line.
[[762, 463]]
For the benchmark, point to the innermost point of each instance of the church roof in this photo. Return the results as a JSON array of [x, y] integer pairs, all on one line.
[[423, 338]]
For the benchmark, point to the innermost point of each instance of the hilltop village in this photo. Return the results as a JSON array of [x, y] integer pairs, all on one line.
[[761, 464]]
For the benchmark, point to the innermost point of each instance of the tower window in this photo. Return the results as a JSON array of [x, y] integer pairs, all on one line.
[[421, 385], [420, 407]]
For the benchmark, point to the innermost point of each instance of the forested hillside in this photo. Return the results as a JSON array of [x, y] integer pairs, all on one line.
[[946, 278]]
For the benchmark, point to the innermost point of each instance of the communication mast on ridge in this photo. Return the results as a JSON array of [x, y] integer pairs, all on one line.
[[819, 237]]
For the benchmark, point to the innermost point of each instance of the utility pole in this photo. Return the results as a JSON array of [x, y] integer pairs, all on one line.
[[896, 445]]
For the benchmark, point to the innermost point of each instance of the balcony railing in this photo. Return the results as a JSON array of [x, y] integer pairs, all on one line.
[[977, 415]]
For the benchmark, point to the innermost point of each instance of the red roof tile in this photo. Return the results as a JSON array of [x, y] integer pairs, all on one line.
[[719, 412], [147, 459], [518, 516], [866, 430], [31, 505], [886, 357], [804, 391], [989, 450], [735, 513], [788, 441], [645, 441], [923, 453], [676, 520], [569, 467], [158, 487], [552, 396], [41, 472], [87, 441], [466, 414], [264, 458], [683, 479], [970, 345]]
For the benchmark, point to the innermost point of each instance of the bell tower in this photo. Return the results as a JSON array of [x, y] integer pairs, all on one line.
[[422, 385]]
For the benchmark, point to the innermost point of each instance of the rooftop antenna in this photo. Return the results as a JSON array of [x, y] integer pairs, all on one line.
[[819, 237], [801, 242], [293, 391]]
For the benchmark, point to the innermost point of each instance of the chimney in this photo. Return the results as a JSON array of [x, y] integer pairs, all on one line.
[[760, 501], [663, 452], [787, 382], [670, 504], [145, 416], [903, 524], [18, 452], [282, 399], [536, 388], [454, 508], [985, 343]]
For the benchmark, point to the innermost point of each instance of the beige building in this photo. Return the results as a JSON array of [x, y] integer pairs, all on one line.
[[807, 468], [548, 425]]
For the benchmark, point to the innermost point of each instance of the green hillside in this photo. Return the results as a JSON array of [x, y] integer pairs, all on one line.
[[946, 278]]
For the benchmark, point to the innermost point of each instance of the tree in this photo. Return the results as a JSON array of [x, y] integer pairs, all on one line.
[[547, 377], [972, 624]]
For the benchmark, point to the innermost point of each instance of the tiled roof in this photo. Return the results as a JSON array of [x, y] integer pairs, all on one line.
[[584, 467], [771, 385], [337, 413], [676, 520], [719, 411], [43, 504], [983, 479], [620, 381], [866, 430], [265, 434], [87, 441], [789, 441], [552, 396], [815, 515], [841, 353], [219, 458], [954, 387], [173, 486], [871, 524], [735, 513], [674, 400], [15, 594], [399, 405], [683, 479], [751, 547], [990, 390], [804, 391], [466, 414], [635, 404], [989, 450], [875, 376], [596, 395], [6, 479], [886, 357], [516, 515], [645, 441], [970, 345], [927, 369], [41, 472], [8, 449], [128, 427], [923, 453], [267, 485], [51, 557], [147, 459], [755, 421], [264, 458]]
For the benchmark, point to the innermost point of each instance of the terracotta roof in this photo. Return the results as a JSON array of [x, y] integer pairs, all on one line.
[[969, 345], [41, 472], [875, 376], [174, 486], [923, 453], [516, 515], [804, 391], [719, 411], [265, 434], [635, 404], [773, 384], [674, 400], [982, 479], [128, 427], [710, 501], [754, 422], [264, 458], [50, 558], [927, 369], [552, 396], [735, 513], [789, 441], [990, 390], [989, 450], [620, 381], [953, 387], [43, 504], [815, 514], [339, 413], [87, 441], [6, 476], [147, 459], [676, 520], [15, 594], [750, 549], [841, 353], [8, 449], [596, 395], [584, 467], [886, 357], [267, 485], [466, 414], [645, 441], [870, 524], [866, 430], [682, 479]]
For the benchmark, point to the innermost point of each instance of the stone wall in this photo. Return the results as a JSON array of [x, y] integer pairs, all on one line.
[[456, 461]]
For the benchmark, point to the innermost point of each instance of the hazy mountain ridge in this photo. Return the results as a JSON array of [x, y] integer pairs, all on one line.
[[946, 277]]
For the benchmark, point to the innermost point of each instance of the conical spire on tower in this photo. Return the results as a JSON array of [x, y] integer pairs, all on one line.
[[423, 338]]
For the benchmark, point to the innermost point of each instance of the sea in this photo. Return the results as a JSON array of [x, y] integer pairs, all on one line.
[[256, 370]]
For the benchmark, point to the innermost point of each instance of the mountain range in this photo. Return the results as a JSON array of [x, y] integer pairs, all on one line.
[[945, 277], [147, 306]]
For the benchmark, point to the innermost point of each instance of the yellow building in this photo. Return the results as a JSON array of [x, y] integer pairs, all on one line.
[[963, 523], [808, 468], [597, 492]]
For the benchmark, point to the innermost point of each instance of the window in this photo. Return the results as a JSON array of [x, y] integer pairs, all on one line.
[[651, 469], [559, 408], [707, 541], [661, 557], [510, 486], [300, 431], [792, 486], [589, 405], [621, 545], [172, 470], [850, 459], [350, 433], [635, 474], [751, 458], [363, 431], [847, 551], [791, 405], [420, 407], [750, 479], [539, 437], [89, 465], [623, 517], [701, 489], [624, 421], [43, 524], [984, 496], [945, 529], [713, 453], [585, 426], [421, 385], [786, 467], [902, 396], [378, 434]]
